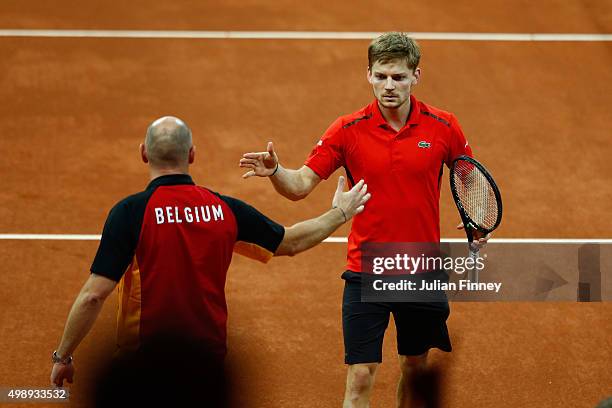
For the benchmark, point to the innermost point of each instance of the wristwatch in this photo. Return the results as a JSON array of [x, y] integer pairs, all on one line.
[[55, 359]]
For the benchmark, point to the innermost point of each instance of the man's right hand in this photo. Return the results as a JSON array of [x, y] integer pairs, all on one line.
[[61, 372], [353, 201], [306, 234], [262, 164]]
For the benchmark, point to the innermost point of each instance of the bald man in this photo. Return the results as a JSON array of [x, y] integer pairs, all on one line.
[[168, 248]]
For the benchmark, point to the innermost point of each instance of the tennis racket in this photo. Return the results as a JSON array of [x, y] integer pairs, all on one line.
[[478, 201]]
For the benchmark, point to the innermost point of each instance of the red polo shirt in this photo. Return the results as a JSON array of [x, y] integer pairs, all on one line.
[[170, 247], [403, 171]]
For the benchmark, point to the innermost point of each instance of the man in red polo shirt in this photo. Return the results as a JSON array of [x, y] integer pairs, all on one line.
[[399, 146], [168, 249]]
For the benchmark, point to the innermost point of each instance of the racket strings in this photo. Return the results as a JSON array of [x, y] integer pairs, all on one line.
[[475, 194]]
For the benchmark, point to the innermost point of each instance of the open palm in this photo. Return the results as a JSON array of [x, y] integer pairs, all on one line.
[[262, 164]]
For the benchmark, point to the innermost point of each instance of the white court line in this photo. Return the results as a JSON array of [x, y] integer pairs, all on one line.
[[93, 237], [51, 237], [301, 35]]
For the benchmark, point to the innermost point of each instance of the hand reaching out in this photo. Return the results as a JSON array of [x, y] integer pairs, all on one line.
[[353, 201], [262, 164]]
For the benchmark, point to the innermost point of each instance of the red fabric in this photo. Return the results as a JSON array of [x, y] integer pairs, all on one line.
[[402, 170], [183, 265]]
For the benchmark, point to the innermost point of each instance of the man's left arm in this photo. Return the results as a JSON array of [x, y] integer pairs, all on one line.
[[81, 318]]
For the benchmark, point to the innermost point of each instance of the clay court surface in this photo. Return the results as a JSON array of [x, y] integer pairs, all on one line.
[[74, 111]]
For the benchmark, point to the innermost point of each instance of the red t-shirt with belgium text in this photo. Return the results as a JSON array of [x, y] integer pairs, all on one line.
[[170, 247], [402, 169]]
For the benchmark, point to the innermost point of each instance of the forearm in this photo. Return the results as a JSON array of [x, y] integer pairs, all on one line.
[[81, 318], [306, 234], [289, 183]]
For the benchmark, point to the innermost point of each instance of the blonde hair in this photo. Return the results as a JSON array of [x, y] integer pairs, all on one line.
[[394, 45]]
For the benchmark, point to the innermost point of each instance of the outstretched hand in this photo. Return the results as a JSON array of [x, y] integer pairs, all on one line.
[[353, 201], [262, 164]]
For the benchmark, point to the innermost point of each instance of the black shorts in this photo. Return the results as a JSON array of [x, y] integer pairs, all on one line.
[[420, 326]]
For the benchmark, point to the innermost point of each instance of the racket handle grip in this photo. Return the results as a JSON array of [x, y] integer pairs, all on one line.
[[474, 254]]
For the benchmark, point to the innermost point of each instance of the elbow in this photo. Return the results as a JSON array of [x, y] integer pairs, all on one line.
[[295, 249], [298, 193], [292, 249], [92, 300], [288, 249]]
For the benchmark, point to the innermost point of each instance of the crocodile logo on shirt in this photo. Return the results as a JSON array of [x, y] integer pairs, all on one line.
[[424, 145]]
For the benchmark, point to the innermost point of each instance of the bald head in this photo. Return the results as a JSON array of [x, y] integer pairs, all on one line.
[[168, 142]]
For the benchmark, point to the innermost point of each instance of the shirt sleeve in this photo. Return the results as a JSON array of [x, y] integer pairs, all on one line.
[[118, 244], [258, 236], [328, 154], [458, 144]]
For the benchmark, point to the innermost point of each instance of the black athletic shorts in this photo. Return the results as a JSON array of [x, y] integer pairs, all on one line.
[[420, 326]]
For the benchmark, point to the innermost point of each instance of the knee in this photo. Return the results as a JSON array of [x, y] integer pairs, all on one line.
[[361, 378], [410, 364]]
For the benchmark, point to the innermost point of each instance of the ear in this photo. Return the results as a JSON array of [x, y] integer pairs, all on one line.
[[143, 153], [416, 76], [369, 75], [192, 150]]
